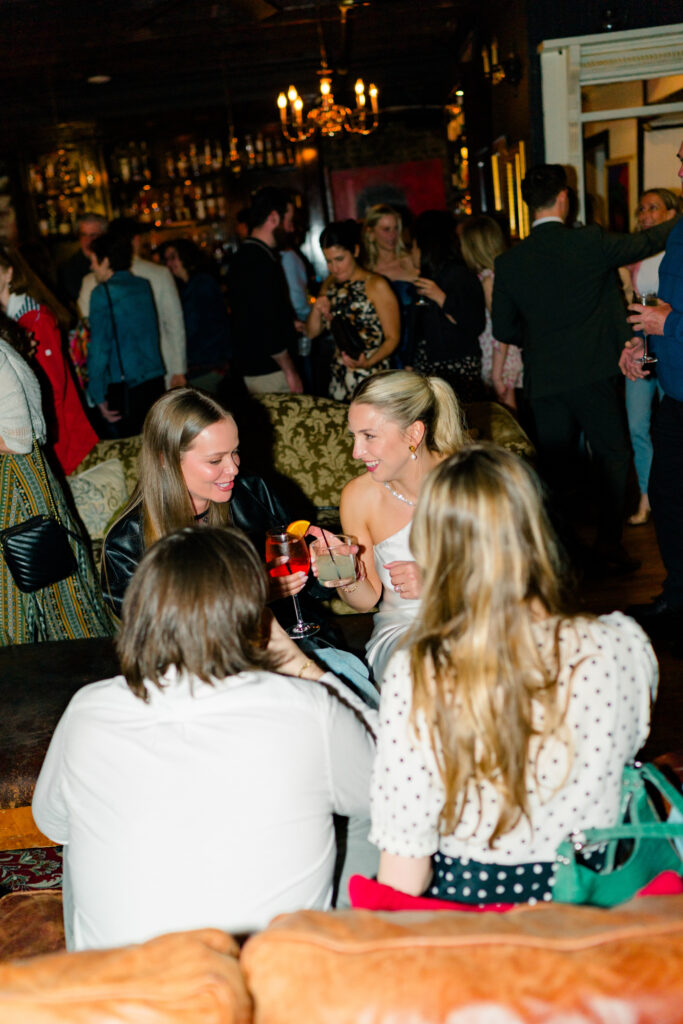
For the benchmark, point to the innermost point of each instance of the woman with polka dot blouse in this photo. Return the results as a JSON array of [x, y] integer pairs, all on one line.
[[506, 722]]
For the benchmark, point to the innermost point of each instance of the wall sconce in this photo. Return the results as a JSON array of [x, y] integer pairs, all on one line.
[[498, 71]]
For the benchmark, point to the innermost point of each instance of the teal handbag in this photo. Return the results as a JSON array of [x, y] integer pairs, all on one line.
[[638, 848]]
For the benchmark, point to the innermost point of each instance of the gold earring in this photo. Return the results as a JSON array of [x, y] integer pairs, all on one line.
[[411, 449]]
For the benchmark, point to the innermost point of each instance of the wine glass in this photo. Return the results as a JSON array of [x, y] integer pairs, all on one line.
[[421, 300], [286, 554], [649, 299]]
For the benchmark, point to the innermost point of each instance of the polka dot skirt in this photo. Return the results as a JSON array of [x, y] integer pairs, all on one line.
[[468, 881]]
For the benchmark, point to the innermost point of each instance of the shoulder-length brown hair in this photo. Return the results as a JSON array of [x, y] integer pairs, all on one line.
[[170, 429], [195, 602]]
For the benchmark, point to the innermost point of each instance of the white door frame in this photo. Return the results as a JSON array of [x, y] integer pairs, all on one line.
[[568, 64]]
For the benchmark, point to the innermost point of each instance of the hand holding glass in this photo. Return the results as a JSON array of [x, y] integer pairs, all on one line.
[[285, 555], [335, 559], [650, 299]]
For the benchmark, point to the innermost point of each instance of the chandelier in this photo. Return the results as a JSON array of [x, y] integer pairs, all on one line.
[[326, 116]]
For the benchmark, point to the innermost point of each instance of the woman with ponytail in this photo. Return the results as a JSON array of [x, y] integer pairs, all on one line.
[[403, 425]]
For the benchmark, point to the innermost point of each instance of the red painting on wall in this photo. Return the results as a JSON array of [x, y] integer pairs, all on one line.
[[416, 184]]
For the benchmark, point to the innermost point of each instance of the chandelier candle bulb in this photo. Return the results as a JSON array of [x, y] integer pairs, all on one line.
[[373, 97], [282, 104]]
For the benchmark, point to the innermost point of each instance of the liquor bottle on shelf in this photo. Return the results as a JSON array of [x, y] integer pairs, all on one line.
[[177, 203], [49, 176], [144, 162], [249, 151], [52, 216], [170, 165], [221, 207], [194, 160], [280, 158], [291, 159], [124, 167], [182, 165], [208, 156], [135, 173], [36, 179], [199, 204], [188, 204], [43, 220], [270, 156], [217, 161], [259, 149], [166, 208]]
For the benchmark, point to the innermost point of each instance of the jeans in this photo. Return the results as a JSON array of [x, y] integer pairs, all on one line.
[[639, 398]]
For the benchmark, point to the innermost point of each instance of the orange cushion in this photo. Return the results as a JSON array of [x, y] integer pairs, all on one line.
[[185, 978], [532, 965]]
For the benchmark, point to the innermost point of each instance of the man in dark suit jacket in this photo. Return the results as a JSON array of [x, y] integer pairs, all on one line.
[[557, 295]]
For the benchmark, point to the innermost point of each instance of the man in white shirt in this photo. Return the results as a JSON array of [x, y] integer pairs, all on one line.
[[198, 788], [166, 300]]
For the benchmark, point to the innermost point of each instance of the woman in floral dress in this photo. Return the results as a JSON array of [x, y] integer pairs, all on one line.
[[367, 302]]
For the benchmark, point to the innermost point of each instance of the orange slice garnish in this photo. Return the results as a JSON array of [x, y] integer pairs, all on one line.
[[298, 527]]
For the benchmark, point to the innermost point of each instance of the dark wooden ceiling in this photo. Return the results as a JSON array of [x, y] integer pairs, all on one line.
[[168, 55]]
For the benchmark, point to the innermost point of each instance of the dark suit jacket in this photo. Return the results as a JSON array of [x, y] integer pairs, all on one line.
[[557, 295]]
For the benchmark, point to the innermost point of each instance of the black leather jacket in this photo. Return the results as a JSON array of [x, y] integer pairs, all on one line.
[[255, 506]]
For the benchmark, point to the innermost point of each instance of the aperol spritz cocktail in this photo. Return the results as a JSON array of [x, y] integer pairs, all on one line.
[[285, 555]]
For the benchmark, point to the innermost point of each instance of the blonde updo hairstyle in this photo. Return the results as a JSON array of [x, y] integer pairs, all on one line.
[[481, 241], [369, 247], [405, 398], [490, 562]]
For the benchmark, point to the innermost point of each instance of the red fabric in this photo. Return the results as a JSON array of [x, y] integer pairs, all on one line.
[[367, 894], [668, 883], [69, 429]]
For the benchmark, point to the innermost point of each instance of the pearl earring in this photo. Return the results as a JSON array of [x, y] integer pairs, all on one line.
[[411, 449]]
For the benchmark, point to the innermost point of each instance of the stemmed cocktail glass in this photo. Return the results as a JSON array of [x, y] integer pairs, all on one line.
[[286, 554]]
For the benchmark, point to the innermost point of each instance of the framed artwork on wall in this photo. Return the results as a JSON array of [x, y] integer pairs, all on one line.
[[415, 185]]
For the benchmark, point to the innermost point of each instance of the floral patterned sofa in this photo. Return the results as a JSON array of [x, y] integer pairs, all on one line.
[[301, 439]]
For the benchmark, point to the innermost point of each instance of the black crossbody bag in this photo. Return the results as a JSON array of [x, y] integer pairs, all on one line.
[[37, 551]]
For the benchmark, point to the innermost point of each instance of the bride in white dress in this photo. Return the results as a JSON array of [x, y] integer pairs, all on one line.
[[402, 425]]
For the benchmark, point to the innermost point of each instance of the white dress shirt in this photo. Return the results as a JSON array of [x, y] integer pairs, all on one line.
[[207, 806]]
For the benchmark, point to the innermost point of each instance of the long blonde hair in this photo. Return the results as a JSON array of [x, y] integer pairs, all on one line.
[[481, 240], [369, 248], [170, 428], [488, 554], [405, 397]]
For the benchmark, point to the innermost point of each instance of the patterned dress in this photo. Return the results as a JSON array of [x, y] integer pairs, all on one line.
[[350, 299], [512, 368], [73, 608]]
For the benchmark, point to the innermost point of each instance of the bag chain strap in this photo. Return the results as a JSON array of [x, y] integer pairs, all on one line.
[[41, 464], [116, 333]]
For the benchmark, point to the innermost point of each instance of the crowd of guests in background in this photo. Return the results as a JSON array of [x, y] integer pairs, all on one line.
[[452, 540]]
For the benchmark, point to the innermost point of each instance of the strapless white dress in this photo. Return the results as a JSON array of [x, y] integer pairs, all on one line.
[[395, 613]]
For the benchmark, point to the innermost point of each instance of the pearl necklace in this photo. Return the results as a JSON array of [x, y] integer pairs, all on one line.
[[396, 494]]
